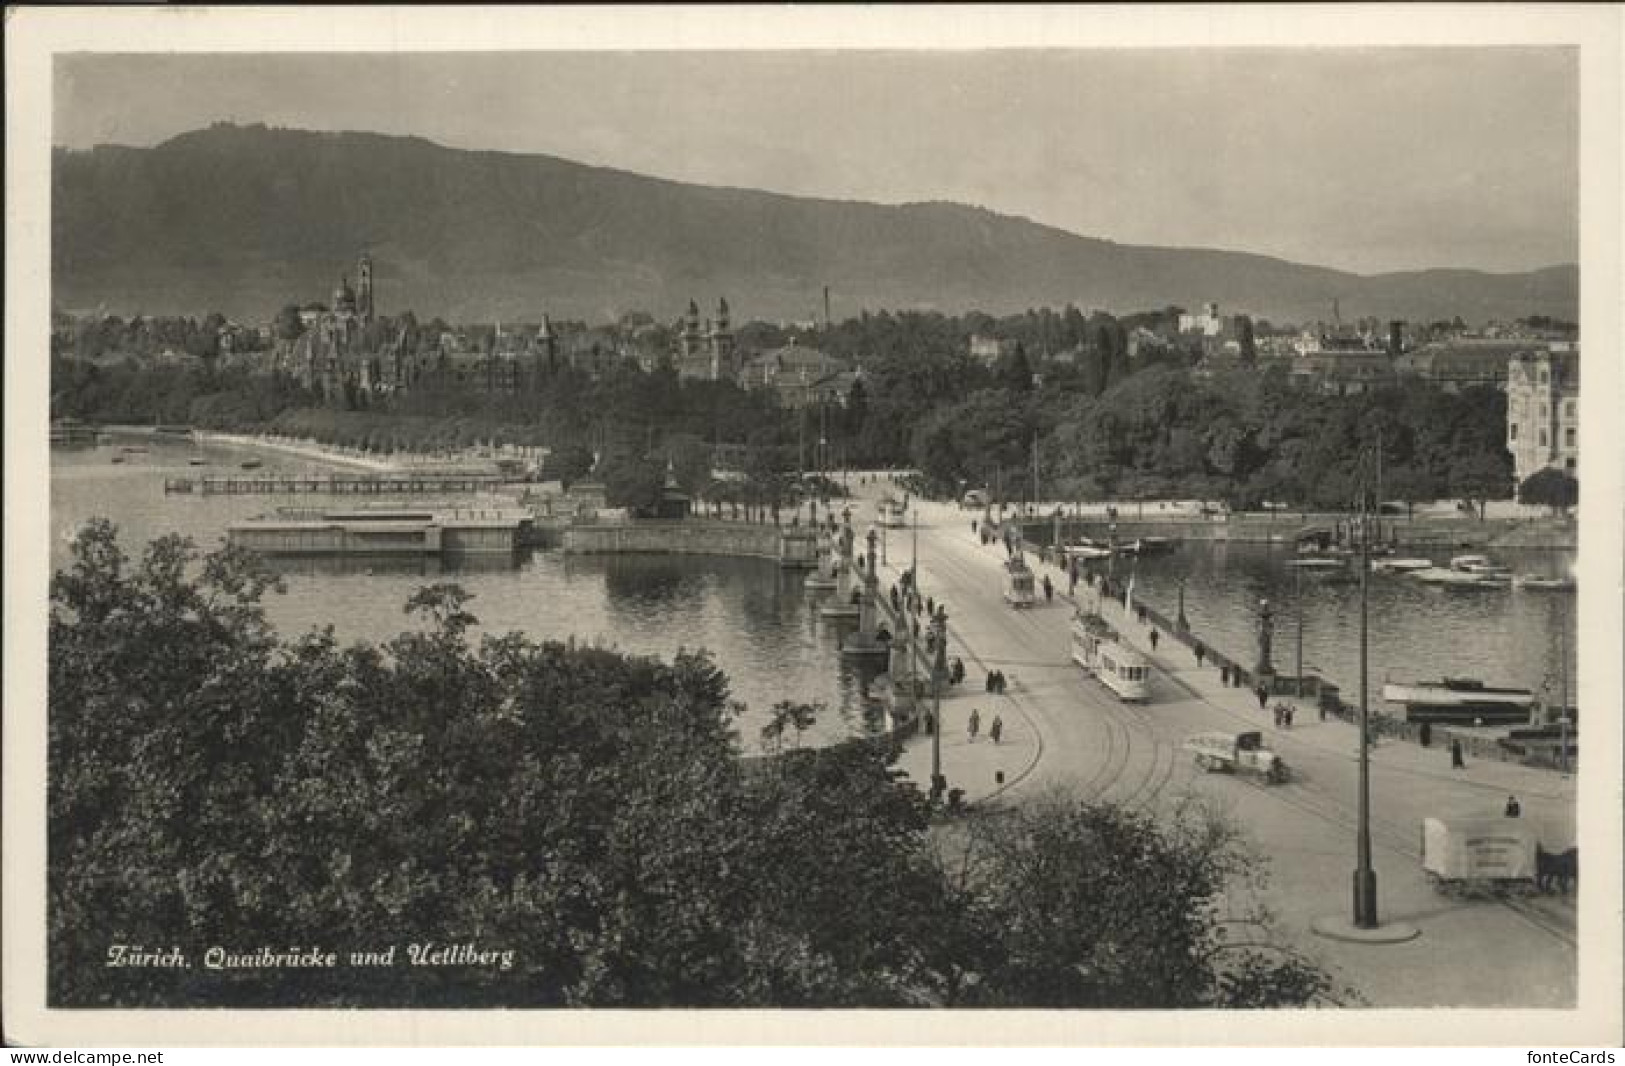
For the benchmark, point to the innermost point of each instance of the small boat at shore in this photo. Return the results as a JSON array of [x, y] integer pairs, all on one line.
[[1464, 700], [252, 464], [197, 460], [1450, 578], [1478, 564], [1086, 550], [1401, 566], [1318, 562], [1543, 584]]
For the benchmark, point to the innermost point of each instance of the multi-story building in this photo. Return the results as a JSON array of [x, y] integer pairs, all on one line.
[[1209, 323], [1543, 410], [989, 350], [707, 354], [803, 377]]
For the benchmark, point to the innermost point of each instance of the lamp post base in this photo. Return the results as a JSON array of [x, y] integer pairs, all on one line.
[[1365, 899], [1340, 928]]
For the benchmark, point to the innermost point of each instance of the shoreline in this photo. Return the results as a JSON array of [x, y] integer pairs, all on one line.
[[304, 448]]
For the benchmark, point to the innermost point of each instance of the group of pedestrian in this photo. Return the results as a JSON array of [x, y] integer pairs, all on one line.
[[995, 731], [995, 682], [1283, 715]]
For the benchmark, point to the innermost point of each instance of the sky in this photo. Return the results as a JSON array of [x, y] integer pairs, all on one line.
[[1370, 160]]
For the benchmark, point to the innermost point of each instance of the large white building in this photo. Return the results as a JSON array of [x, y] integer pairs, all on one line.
[[1543, 410]]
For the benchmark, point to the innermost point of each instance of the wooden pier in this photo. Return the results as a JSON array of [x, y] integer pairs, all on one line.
[[305, 485]]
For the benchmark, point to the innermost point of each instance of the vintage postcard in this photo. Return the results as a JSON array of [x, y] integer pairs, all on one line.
[[792, 523]]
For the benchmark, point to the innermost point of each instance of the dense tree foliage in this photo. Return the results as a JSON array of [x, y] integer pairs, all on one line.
[[1550, 487], [1102, 420], [214, 784]]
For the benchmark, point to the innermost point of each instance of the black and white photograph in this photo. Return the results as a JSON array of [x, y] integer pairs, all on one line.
[[1070, 515]]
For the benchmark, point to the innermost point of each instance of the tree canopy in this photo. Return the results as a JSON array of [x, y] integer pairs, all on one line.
[[581, 817]]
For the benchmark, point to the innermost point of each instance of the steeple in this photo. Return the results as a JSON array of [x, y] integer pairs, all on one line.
[[364, 305]]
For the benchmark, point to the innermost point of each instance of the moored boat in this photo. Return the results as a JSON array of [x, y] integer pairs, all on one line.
[[1544, 584], [1477, 564], [252, 464], [1464, 700], [1440, 575], [1086, 551], [1402, 565], [1317, 562]]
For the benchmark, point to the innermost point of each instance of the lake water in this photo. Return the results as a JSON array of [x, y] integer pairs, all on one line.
[[1504, 636], [758, 623], [755, 619]]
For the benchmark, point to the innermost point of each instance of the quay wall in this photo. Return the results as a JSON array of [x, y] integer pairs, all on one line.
[[1429, 533], [690, 537], [1328, 696]]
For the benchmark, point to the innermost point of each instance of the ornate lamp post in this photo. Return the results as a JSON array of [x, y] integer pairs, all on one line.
[[1266, 633], [1365, 877], [939, 674]]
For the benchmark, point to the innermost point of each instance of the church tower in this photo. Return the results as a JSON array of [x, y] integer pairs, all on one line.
[[721, 343], [363, 294], [689, 343], [547, 348]]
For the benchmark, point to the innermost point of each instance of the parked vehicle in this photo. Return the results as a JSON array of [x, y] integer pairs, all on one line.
[[975, 499], [1479, 854], [1237, 753]]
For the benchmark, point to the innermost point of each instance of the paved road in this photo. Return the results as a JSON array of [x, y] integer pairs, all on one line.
[[1062, 729]]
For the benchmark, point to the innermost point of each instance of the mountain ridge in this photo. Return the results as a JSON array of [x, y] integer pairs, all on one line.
[[244, 219]]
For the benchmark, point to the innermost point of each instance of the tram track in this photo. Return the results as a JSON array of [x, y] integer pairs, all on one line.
[[1121, 755]]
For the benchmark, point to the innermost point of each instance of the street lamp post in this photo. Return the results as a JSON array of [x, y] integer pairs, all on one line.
[[1297, 596], [939, 671], [1365, 877]]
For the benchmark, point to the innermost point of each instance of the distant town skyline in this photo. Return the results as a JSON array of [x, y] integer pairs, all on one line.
[[1368, 160]]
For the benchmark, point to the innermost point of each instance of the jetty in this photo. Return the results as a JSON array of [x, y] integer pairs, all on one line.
[[337, 485], [392, 530]]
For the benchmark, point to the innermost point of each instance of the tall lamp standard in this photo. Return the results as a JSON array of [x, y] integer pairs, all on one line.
[[939, 673], [1297, 596], [1365, 877]]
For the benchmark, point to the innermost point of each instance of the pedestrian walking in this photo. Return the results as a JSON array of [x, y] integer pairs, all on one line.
[[930, 723], [1072, 582], [996, 730], [1456, 761], [1224, 673], [973, 527], [1322, 710], [975, 724], [1513, 809], [956, 670], [930, 607], [1154, 639], [1425, 734], [998, 682], [1276, 711], [1288, 713], [1049, 590], [1263, 696], [990, 682], [1201, 653]]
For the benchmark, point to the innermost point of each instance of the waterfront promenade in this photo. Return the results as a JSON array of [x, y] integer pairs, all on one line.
[[1064, 730]]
